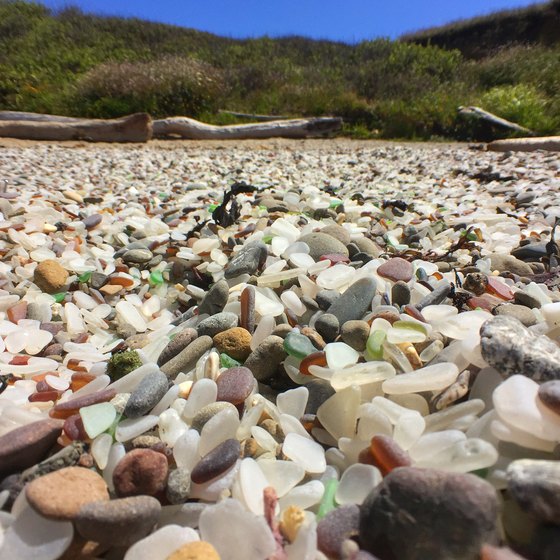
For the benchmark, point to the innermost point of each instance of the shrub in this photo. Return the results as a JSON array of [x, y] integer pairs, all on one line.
[[167, 86]]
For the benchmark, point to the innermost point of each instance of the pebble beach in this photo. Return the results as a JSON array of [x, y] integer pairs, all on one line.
[[282, 350]]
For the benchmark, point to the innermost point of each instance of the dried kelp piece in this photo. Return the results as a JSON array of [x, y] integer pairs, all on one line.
[[225, 216]]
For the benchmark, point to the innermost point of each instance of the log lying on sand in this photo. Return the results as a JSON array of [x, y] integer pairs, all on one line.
[[549, 143], [493, 120], [133, 128], [35, 117], [191, 129], [253, 116]]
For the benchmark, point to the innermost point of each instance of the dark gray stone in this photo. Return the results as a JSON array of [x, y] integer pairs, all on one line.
[[248, 260], [355, 334], [355, 302], [521, 298], [511, 348], [137, 256], [148, 393], [535, 485], [337, 526], [400, 293], [187, 358], [531, 251], [217, 323], [264, 360], [435, 297], [180, 341], [415, 514], [325, 298], [327, 326], [320, 390], [98, 280], [215, 299], [217, 461]]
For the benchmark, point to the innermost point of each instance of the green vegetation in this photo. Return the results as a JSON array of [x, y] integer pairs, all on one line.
[[77, 64]]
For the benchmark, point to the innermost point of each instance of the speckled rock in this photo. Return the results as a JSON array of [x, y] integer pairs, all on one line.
[[512, 349], [215, 324], [215, 299], [140, 471], [207, 412], [187, 358], [264, 360], [355, 301], [61, 494], [50, 276], [247, 260], [178, 485], [535, 485], [180, 341], [235, 342], [323, 244], [119, 522], [416, 514]]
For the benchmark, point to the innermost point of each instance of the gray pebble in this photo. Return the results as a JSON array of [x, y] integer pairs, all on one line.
[[320, 390], [535, 485], [209, 411], [508, 263], [178, 486], [92, 221], [323, 244], [338, 232], [217, 461], [436, 296], [264, 360], [148, 393], [355, 334], [325, 298], [522, 298], [327, 326], [215, 299], [367, 246], [400, 293], [355, 302], [180, 341], [282, 330], [137, 256], [512, 349], [248, 260], [118, 522], [217, 323], [531, 252], [520, 312], [98, 280], [187, 358]]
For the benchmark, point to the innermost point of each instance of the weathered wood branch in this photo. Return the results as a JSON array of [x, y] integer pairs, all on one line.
[[494, 120], [35, 117], [184, 127], [133, 128], [263, 118], [548, 143]]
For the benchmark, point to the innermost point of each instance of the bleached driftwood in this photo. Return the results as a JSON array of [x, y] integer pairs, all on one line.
[[494, 120], [133, 128], [184, 127], [35, 117], [549, 143], [263, 118]]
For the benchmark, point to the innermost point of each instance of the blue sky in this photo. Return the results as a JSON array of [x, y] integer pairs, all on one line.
[[343, 20]]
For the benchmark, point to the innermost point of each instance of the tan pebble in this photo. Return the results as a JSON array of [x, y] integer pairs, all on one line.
[[411, 354], [50, 276], [316, 339], [273, 428], [235, 342], [251, 449], [73, 195], [48, 228], [61, 494], [198, 550], [110, 289], [292, 519]]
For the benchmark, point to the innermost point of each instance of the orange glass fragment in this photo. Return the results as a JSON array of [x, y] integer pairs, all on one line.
[[387, 454]]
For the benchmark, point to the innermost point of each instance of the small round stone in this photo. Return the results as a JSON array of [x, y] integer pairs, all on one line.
[[217, 461], [323, 244], [180, 341], [50, 276], [207, 412], [178, 485], [215, 299], [140, 471], [61, 494], [355, 334], [327, 326], [198, 550], [338, 232], [119, 522], [355, 302], [400, 293], [90, 222], [519, 312], [235, 342], [265, 359], [235, 385], [217, 323]]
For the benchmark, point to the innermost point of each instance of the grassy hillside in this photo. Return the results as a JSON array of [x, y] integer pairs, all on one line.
[[538, 24], [78, 64]]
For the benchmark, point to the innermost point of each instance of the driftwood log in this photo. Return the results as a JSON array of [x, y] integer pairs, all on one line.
[[35, 117], [549, 143], [481, 115], [254, 117], [191, 129], [133, 128]]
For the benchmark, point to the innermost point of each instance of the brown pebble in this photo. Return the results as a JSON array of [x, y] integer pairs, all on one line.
[[50, 277], [24, 447], [316, 339], [140, 471], [396, 269], [198, 550], [235, 342], [180, 342], [72, 406], [17, 312], [235, 385], [61, 494], [216, 462]]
